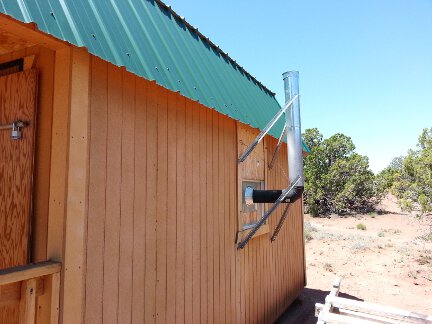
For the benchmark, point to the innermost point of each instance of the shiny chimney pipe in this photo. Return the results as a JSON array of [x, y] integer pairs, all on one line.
[[295, 149], [294, 140], [295, 163]]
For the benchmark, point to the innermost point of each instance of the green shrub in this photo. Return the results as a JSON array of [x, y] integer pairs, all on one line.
[[410, 178], [337, 180], [406, 204], [361, 226]]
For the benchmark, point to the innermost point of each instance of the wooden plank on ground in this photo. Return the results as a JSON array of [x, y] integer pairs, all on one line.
[[375, 309], [354, 311], [377, 318], [328, 307], [342, 319]]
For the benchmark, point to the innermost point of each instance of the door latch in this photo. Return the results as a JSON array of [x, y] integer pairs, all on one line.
[[16, 127]]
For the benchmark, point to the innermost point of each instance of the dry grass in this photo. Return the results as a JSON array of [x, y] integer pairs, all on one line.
[[309, 231], [361, 226], [328, 267]]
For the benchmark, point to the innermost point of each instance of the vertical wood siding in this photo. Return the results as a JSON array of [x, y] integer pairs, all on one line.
[[163, 214]]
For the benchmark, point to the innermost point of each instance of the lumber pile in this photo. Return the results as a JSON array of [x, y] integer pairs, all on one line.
[[343, 310]]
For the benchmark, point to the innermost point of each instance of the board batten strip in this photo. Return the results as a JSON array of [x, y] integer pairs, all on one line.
[[127, 197], [113, 196], [210, 219], [218, 196], [230, 148], [202, 209], [161, 207], [230, 144], [59, 154], [44, 64], [223, 165], [219, 176], [225, 235], [266, 247], [97, 192], [151, 222], [140, 193], [182, 229], [58, 169], [77, 202], [196, 218], [171, 215], [189, 214]]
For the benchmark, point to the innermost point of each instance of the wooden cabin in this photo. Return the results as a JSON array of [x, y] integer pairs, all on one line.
[[120, 191]]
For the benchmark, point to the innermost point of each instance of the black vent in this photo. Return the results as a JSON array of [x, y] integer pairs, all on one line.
[[11, 67]]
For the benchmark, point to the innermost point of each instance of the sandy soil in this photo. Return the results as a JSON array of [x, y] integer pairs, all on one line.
[[388, 262]]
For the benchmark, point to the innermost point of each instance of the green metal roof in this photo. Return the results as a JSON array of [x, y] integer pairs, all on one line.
[[152, 41]]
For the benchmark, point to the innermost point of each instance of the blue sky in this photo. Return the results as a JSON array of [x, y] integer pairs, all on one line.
[[365, 66]]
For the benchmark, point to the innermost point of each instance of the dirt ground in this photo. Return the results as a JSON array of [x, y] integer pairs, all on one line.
[[386, 261]]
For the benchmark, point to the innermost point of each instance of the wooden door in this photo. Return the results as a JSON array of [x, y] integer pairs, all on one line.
[[17, 102]]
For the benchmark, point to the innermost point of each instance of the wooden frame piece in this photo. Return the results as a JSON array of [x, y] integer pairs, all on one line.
[[30, 32], [30, 271], [29, 62], [77, 190], [254, 168], [28, 302], [24, 284]]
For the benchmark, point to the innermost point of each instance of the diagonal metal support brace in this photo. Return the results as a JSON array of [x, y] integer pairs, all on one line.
[[267, 129], [263, 219], [278, 147], [279, 225]]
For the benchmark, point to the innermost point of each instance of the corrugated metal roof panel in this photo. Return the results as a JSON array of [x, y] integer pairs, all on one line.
[[152, 41]]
